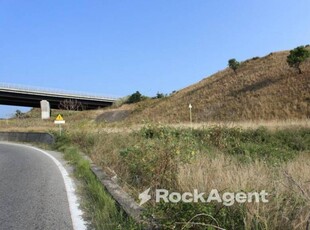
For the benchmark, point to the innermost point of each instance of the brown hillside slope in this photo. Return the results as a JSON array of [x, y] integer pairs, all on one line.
[[263, 89]]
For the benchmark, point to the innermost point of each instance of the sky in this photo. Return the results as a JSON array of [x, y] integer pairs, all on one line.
[[116, 47]]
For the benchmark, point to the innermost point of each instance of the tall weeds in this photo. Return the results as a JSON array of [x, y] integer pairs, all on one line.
[[226, 159]]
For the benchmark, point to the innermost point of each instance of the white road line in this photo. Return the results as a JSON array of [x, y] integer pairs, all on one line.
[[76, 214]]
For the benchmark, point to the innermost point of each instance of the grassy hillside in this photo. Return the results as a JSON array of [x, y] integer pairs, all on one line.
[[263, 89]]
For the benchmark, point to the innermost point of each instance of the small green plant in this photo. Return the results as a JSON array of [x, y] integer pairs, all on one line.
[[297, 56]]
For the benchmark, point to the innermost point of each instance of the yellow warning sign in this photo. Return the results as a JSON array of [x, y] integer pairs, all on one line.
[[59, 118]]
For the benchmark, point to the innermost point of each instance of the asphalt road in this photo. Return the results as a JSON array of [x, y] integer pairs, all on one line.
[[32, 191]]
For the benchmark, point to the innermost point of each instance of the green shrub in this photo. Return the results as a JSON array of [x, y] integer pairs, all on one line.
[[160, 95], [135, 97], [233, 64], [297, 56], [155, 156]]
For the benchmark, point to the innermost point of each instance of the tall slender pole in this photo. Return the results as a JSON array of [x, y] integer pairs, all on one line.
[[190, 115]]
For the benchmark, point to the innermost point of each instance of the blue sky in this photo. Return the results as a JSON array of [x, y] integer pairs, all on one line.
[[116, 47]]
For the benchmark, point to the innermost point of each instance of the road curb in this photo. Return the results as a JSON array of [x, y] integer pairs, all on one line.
[[34, 137], [123, 199]]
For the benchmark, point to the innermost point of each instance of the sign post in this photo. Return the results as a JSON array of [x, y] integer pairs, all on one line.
[[190, 115], [59, 121]]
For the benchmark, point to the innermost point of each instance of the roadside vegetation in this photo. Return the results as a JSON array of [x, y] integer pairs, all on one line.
[[177, 158], [102, 212], [227, 159]]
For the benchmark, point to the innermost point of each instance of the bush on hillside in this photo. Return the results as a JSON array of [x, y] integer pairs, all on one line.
[[160, 95], [135, 97], [297, 56], [233, 64]]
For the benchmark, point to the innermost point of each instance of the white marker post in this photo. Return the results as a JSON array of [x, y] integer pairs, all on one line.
[[190, 115], [59, 121]]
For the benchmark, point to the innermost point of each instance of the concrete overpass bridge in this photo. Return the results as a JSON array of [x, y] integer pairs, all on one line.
[[31, 97]]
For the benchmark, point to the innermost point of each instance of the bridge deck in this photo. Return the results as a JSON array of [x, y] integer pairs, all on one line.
[[31, 97]]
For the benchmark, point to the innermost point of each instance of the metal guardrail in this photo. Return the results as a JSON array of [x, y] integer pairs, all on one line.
[[28, 89]]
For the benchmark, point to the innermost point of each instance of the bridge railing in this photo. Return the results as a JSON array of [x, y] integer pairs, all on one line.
[[28, 89]]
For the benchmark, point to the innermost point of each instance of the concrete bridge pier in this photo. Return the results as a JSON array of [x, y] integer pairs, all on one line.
[[45, 109]]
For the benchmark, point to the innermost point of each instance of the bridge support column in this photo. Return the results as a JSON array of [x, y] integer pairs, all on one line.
[[45, 110]]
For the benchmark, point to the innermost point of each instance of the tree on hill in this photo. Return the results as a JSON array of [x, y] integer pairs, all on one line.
[[160, 95], [19, 114], [297, 56], [135, 97], [233, 64]]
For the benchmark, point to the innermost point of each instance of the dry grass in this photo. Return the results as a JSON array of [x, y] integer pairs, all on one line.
[[222, 172], [288, 185], [271, 124], [32, 121], [263, 89], [79, 121]]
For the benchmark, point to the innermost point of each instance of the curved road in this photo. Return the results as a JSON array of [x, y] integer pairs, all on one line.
[[33, 194]]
